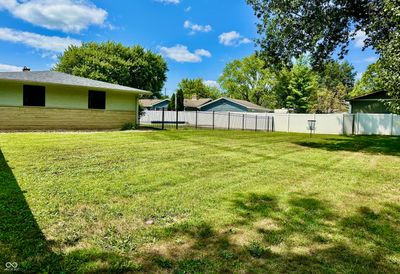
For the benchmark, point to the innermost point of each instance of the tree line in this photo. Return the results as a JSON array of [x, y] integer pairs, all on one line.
[[288, 29], [293, 67]]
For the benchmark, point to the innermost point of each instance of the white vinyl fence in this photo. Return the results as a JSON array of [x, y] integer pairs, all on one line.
[[357, 124]]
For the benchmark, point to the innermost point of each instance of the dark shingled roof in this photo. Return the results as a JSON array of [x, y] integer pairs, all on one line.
[[378, 95], [148, 103], [246, 104], [59, 78], [249, 105], [196, 103]]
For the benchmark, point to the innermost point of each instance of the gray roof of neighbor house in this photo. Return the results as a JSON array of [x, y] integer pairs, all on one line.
[[148, 103], [244, 103], [59, 78], [196, 103]]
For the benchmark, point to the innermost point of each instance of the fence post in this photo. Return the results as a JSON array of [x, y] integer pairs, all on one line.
[[229, 120], [288, 122], [213, 119], [358, 123], [162, 119], [196, 118], [273, 124], [343, 129], [177, 117], [315, 119], [392, 125], [256, 122], [243, 122], [268, 124]]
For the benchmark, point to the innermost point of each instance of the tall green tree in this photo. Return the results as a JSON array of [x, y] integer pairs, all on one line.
[[177, 101], [193, 87], [197, 87], [289, 29], [333, 74], [335, 82], [214, 92], [180, 106], [318, 91], [390, 55], [171, 105], [370, 81], [249, 79], [112, 62], [301, 86]]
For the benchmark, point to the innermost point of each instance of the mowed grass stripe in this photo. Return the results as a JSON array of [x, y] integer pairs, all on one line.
[[201, 201]]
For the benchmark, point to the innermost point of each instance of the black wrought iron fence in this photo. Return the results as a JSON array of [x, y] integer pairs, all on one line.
[[212, 120]]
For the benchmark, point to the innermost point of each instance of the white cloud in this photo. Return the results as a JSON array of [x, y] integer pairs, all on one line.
[[202, 52], [65, 15], [359, 75], [181, 54], [188, 9], [9, 68], [245, 41], [233, 38], [37, 41], [211, 83], [196, 28], [359, 39], [371, 59], [7, 4], [169, 1]]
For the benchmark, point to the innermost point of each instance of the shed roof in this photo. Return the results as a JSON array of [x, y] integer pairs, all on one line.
[[377, 95], [60, 78]]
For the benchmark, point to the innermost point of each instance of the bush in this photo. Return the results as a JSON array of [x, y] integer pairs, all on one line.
[[128, 126]]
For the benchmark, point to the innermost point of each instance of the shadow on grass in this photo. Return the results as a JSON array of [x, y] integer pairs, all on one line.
[[305, 236], [368, 144], [22, 241]]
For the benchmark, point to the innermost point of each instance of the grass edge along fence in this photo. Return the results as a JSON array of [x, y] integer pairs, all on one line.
[[335, 123]]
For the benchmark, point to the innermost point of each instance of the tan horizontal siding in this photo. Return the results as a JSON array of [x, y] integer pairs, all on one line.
[[20, 118]]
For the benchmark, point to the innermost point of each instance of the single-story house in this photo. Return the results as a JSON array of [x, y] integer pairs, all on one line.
[[55, 100], [370, 103], [195, 104], [225, 104], [154, 104]]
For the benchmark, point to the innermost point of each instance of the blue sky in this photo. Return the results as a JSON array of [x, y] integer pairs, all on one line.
[[197, 37]]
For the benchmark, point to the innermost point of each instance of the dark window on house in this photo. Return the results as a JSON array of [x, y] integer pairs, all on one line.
[[97, 99], [34, 96]]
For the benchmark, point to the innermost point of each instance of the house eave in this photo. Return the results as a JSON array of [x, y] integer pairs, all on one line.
[[134, 91]]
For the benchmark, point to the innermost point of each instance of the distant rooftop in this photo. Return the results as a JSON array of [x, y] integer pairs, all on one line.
[[60, 78], [196, 103], [246, 104], [148, 103]]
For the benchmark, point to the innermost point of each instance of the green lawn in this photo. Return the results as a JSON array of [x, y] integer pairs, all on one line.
[[199, 201]]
